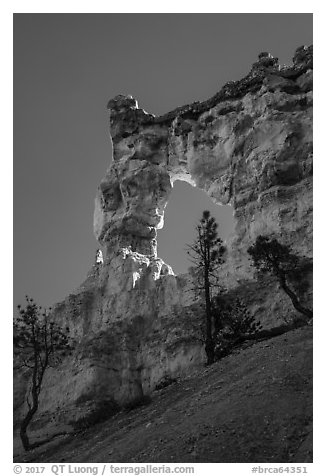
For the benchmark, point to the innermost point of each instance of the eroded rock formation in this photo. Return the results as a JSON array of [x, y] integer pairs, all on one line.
[[250, 146]]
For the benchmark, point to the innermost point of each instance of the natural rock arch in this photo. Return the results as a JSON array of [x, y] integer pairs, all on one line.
[[250, 146]]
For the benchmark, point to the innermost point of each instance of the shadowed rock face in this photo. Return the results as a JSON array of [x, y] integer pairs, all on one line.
[[250, 145]]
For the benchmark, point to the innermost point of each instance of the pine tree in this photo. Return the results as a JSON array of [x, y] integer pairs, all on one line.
[[271, 257], [234, 319], [38, 344], [207, 254]]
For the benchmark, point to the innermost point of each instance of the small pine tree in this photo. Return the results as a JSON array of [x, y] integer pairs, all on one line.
[[234, 323], [207, 254], [271, 257], [236, 319], [38, 344]]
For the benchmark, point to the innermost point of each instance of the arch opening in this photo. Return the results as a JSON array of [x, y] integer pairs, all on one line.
[[183, 211]]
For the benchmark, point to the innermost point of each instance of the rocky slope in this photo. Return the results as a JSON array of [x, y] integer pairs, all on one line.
[[137, 323]]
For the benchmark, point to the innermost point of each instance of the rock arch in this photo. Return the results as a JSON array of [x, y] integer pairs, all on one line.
[[249, 146]]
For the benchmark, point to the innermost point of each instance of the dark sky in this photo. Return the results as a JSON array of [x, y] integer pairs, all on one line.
[[66, 68]]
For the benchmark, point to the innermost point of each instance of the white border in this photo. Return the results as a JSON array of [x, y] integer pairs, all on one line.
[[7, 9]]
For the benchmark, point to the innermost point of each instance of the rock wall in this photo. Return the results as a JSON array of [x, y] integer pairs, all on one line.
[[136, 323]]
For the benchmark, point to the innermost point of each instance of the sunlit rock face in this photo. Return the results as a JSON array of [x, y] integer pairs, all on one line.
[[249, 146]]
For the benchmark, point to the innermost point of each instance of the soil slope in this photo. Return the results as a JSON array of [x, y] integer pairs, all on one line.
[[252, 406]]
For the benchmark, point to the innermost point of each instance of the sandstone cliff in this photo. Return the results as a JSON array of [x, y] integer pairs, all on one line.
[[135, 322]]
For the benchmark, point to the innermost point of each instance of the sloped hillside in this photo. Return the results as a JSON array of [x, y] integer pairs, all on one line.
[[252, 406]]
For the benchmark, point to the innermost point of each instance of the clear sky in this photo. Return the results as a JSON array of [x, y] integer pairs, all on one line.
[[66, 68]]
